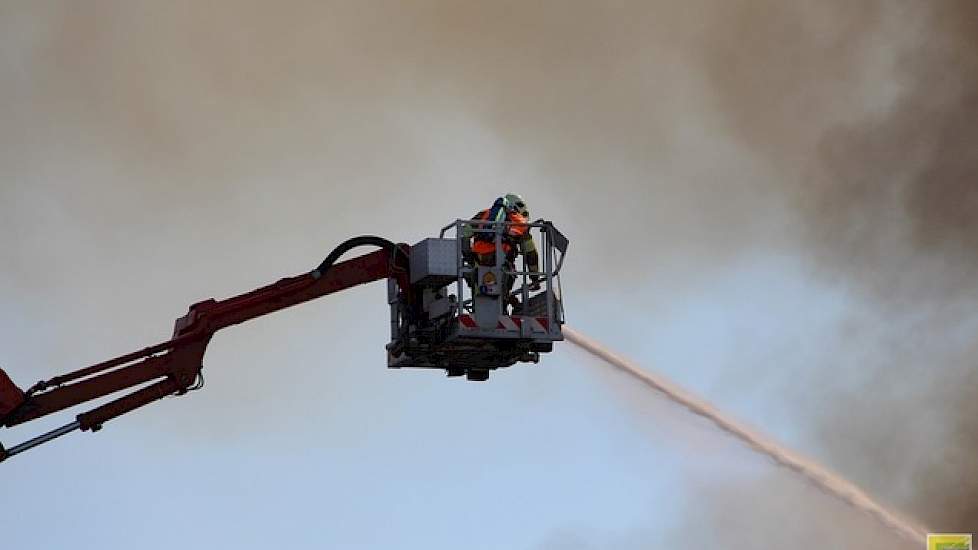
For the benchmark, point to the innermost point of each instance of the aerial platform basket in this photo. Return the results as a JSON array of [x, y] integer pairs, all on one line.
[[470, 317]]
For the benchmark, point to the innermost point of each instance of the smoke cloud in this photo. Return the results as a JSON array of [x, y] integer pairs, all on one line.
[[671, 140], [890, 197]]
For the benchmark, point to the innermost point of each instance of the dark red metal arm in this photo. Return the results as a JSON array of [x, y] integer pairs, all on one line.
[[207, 317], [176, 364]]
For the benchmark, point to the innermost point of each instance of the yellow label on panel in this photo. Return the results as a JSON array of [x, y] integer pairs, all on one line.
[[947, 541]]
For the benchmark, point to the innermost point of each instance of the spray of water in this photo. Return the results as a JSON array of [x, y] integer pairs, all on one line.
[[822, 478]]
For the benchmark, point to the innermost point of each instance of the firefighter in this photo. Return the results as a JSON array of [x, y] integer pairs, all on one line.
[[516, 240]]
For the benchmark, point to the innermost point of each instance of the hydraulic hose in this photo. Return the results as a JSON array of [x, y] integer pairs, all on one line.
[[349, 244]]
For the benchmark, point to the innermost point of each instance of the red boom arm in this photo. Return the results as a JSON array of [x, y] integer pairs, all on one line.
[[175, 365]]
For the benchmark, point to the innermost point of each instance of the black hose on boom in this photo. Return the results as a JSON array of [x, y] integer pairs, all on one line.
[[349, 244]]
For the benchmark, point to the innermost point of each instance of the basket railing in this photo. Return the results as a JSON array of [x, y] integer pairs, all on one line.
[[551, 248]]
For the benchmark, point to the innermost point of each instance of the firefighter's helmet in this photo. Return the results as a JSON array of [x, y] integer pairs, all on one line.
[[515, 203]]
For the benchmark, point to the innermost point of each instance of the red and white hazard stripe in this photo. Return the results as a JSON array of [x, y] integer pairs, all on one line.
[[509, 323]]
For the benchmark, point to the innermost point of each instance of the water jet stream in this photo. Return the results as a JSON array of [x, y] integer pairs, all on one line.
[[822, 478]]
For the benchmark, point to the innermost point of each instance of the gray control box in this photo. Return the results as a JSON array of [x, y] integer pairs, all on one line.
[[434, 262]]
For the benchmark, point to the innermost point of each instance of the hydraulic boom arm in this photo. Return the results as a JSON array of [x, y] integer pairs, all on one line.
[[174, 367]]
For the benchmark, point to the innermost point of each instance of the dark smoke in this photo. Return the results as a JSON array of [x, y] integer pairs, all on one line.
[[891, 201], [924, 150], [670, 138]]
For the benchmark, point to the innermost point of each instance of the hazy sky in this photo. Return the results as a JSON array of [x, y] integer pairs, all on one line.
[[771, 202]]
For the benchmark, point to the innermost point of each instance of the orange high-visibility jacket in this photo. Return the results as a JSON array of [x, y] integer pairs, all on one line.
[[485, 243], [516, 239]]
